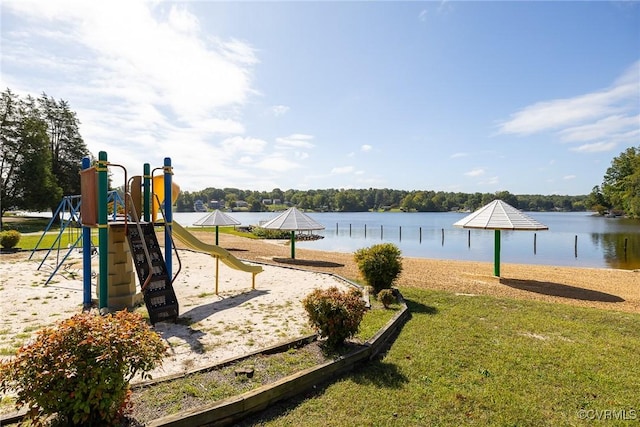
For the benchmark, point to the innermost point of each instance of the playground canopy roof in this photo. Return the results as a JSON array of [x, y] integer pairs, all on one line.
[[216, 218], [499, 215], [293, 220]]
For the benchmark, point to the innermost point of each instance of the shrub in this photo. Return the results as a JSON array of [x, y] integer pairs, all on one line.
[[386, 297], [80, 369], [336, 315], [9, 239], [379, 264], [264, 233]]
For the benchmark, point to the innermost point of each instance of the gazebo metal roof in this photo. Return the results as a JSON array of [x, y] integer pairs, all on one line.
[[217, 217], [293, 220], [499, 215]]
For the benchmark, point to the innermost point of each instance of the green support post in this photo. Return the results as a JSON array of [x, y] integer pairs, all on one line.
[[496, 262], [103, 231], [293, 244]]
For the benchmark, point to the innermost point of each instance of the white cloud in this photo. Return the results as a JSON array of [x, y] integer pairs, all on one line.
[[243, 145], [277, 162], [569, 177], [342, 170], [611, 126], [610, 115], [423, 15], [142, 76], [491, 181], [366, 148], [596, 147], [476, 172], [458, 155], [279, 110], [296, 140]]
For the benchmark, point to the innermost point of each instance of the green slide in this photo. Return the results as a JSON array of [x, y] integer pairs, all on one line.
[[192, 242]]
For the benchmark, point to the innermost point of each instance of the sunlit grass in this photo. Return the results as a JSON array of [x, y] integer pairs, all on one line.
[[486, 361]]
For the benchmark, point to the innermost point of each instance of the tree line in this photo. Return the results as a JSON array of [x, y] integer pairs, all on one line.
[[41, 152], [362, 200]]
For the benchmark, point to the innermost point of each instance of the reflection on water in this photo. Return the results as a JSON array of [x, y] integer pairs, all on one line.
[[619, 250], [573, 239]]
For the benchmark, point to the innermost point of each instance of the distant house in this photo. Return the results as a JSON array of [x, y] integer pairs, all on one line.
[[216, 204], [277, 201], [199, 206], [242, 204], [267, 201]]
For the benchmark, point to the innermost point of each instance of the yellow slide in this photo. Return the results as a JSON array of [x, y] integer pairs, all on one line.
[[224, 255]]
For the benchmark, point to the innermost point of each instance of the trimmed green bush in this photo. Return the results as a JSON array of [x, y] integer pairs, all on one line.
[[80, 369], [386, 297], [9, 238], [379, 264], [336, 315], [263, 233]]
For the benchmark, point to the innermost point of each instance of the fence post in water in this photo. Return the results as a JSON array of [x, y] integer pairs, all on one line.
[[625, 246], [349, 230], [420, 234], [469, 239], [365, 231], [575, 246], [336, 228], [400, 233], [443, 237], [381, 232], [535, 237]]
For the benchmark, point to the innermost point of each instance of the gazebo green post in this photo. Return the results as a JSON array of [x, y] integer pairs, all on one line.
[[103, 231], [146, 192], [496, 262], [293, 244]]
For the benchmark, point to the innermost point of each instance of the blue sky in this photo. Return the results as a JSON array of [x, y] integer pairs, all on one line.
[[528, 97]]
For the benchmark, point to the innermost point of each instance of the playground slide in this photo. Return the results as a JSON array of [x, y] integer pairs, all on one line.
[[224, 255]]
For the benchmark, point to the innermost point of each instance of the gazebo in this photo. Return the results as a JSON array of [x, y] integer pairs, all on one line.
[[293, 220], [216, 218], [499, 215]]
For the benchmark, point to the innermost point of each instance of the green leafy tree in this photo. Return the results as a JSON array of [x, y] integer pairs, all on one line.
[[621, 185], [27, 181], [596, 201], [65, 143]]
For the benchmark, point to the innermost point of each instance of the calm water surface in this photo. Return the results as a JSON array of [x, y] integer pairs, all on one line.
[[600, 241]]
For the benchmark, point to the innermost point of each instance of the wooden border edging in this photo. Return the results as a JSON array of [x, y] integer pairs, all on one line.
[[230, 410]]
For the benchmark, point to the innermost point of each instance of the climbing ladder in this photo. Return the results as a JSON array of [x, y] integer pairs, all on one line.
[[159, 295]]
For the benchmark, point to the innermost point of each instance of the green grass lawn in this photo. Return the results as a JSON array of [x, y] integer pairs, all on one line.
[[464, 360]]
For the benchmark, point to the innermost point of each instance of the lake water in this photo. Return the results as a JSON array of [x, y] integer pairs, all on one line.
[[600, 241]]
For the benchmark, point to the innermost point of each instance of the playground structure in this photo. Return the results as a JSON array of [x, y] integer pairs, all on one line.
[[127, 240]]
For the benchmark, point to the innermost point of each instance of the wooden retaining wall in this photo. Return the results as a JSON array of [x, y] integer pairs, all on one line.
[[233, 409]]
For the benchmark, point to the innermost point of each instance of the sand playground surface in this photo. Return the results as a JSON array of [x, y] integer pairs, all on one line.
[[239, 320], [211, 327]]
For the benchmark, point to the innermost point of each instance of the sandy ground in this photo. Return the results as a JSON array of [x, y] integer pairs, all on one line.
[[211, 328], [238, 320]]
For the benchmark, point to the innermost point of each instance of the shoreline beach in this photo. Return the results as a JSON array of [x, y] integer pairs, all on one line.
[[217, 327]]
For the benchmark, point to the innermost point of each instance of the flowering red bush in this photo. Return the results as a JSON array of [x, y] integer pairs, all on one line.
[[336, 315], [80, 369]]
